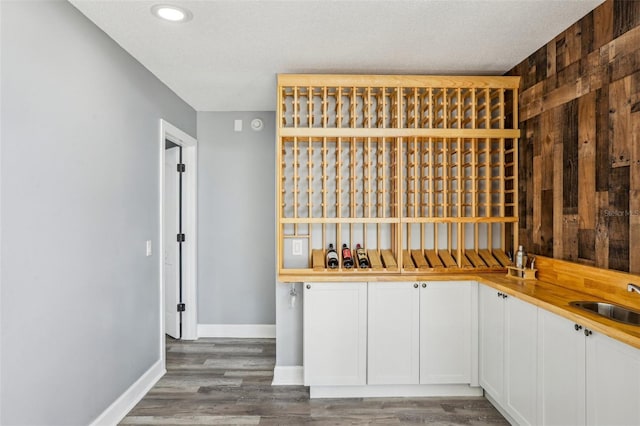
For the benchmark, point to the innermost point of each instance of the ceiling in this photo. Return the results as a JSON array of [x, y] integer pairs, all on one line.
[[227, 57]]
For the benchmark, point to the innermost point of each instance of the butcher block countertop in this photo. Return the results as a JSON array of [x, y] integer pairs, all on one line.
[[556, 299], [559, 283]]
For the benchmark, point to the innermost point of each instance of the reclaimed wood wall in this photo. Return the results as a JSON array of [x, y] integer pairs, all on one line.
[[579, 176]]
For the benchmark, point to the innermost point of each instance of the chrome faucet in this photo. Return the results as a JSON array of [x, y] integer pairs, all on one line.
[[633, 287]]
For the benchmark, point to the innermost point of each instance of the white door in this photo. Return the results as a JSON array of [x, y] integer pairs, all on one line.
[[613, 382], [446, 339], [394, 333], [335, 334], [491, 341], [561, 371], [521, 322], [170, 243]]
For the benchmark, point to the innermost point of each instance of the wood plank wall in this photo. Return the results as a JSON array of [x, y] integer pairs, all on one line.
[[580, 145]]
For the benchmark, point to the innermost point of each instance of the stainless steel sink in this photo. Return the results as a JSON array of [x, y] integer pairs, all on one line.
[[611, 311]]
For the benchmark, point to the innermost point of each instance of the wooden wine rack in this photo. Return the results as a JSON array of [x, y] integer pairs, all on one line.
[[420, 170]]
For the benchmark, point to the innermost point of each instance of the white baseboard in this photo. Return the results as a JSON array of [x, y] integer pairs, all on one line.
[[382, 391], [262, 331], [125, 402], [288, 375]]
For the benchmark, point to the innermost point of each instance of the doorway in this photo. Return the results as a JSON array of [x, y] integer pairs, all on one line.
[[178, 239]]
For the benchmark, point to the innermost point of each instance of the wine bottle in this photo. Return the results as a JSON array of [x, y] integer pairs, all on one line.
[[347, 260], [332, 257], [361, 257]]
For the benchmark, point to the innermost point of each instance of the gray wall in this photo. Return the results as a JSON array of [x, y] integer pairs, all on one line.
[[79, 197], [288, 326], [236, 219]]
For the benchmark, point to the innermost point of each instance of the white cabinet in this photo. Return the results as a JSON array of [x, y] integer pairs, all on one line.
[[394, 333], [561, 371], [585, 377], [539, 368], [613, 382], [449, 332], [508, 332], [335, 333], [422, 333]]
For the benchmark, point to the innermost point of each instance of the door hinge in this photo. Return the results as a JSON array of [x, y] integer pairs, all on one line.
[[181, 168], [181, 238], [181, 307]]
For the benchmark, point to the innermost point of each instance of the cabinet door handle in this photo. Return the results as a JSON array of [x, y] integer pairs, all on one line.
[[499, 294], [415, 285], [424, 285], [308, 286], [587, 332], [577, 327]]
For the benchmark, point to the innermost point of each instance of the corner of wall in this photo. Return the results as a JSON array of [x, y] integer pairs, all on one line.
[[121, 406]]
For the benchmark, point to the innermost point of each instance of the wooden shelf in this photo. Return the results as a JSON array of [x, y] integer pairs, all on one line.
[[377, 132], [421, 260], [381, 261], [443, 261]]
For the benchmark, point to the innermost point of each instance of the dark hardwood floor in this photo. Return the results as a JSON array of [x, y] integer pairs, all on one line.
[[228, 382]]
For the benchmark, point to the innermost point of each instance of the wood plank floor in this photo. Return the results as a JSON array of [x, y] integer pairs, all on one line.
[[228, 382]]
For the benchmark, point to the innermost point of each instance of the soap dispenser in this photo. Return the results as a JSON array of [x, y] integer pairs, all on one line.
[[521, 258]]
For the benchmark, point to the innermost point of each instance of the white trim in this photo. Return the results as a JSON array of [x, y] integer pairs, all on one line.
[[392, 391], [266, 331], [125, 402], [1, 223], [288, 375], [190, 247]]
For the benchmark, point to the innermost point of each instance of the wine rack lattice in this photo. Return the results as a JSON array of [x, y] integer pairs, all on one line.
[[427, 103], [338, 178], [421, 170]]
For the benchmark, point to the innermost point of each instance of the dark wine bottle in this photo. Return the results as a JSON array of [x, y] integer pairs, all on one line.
[[361, 257], [347, 260], [332, 257]]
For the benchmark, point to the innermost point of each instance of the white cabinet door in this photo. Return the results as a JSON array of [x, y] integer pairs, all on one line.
[[561, 371], [448, 332], [335, 333], [508, 333], [521, 322], [491, 342], [394, 321], [613, 382]]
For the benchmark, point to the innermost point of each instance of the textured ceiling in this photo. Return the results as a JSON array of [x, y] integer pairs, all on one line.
[[228, 56]]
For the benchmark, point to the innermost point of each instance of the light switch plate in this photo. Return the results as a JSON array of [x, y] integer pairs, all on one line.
[[296, 248], [237, 125], [149, 248]]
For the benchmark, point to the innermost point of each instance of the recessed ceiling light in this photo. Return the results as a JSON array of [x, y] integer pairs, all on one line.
[[171, 13]]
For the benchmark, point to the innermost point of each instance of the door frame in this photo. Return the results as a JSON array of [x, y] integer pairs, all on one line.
[[190, 245]]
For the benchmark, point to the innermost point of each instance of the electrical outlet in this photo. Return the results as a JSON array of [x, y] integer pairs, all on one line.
[[149, 248], [296, 248]]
